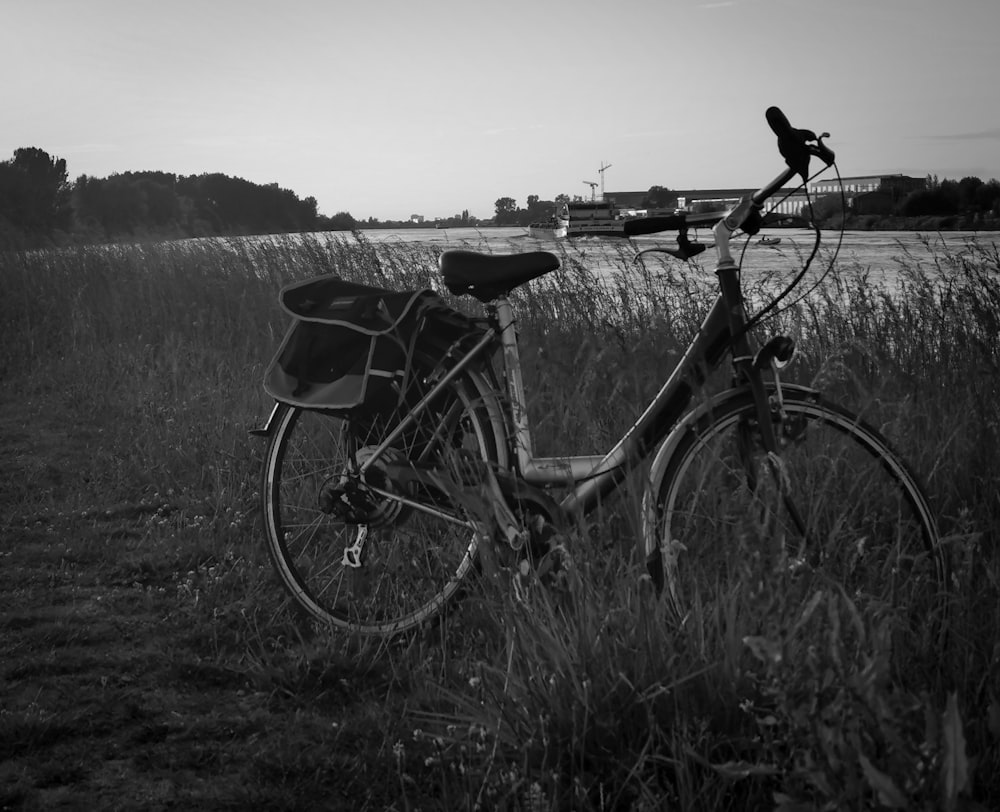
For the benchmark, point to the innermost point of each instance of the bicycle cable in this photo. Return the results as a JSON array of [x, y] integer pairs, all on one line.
[[772, 307]]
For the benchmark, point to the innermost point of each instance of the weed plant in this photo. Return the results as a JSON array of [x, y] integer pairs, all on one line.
[[579, 690]]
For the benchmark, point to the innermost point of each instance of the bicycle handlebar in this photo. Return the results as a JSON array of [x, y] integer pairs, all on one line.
[[795, 147], [672, 222], [651, 225], [794, 144]]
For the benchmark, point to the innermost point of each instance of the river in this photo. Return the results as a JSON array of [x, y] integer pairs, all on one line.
[[880, 254]]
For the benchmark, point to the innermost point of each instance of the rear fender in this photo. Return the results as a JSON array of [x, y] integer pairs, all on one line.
[[265, 430]]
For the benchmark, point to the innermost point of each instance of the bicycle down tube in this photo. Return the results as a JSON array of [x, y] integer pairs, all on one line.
[[722, 331], [596, 476]]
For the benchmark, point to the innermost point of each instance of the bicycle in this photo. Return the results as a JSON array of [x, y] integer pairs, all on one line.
[[375, 520]]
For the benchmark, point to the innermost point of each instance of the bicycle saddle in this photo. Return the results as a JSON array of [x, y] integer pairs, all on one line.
[[487, 276]]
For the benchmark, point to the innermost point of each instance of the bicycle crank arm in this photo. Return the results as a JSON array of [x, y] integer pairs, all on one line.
[[479, 492]]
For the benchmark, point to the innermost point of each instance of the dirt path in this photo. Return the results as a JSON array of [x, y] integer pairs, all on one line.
[[114, 696]]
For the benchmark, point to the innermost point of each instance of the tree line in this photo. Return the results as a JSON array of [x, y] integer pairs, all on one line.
[[39, 205], [968, 196], [508, 213]]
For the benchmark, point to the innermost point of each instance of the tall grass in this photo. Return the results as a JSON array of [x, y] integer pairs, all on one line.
[[580, 692]]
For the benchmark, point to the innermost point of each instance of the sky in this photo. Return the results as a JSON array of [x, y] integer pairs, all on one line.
[[388, 108]]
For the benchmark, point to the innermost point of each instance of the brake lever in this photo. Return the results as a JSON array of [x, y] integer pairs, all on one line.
[[674, 252], [687, 249], [823, 152]]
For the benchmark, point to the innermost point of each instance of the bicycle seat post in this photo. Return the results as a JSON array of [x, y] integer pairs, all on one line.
[[503, 313]]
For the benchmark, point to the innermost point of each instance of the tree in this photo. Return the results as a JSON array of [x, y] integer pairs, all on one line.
[[988, 197], [506, 211], [968, 191], [35, 192], [123, 206], [941, 199], [341, 221], [659, 197], [160, 199]]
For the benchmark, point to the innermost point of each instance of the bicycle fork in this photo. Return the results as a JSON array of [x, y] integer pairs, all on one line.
[[773, 432]]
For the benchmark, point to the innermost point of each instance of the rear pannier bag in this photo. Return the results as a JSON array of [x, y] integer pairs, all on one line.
[[350, 343]]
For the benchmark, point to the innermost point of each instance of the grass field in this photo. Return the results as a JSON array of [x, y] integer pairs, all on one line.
[[148, 659]]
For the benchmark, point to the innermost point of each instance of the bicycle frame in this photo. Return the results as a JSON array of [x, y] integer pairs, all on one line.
[[722, 332], [593, 477], [754, 462], [589, 478]]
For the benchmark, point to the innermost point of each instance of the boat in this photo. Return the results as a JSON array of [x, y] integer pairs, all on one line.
[[587, 218], [769, 241], [552, 229], [549, 230]]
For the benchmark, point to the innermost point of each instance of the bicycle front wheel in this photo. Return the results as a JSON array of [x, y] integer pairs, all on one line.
[[377, 561], [835, 501]]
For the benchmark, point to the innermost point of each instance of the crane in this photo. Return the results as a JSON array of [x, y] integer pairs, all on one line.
[[601, 171], [593, 186]]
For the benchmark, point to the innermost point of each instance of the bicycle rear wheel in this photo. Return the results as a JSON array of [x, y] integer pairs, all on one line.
[[387, 561], [836, 502]]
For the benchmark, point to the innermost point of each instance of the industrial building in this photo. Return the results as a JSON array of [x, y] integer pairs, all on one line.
[[865, 194]]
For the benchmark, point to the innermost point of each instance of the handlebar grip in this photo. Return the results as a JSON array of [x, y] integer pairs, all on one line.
[[782, 128], [651, 225], [825, 154], [791, 142], [779, 124]]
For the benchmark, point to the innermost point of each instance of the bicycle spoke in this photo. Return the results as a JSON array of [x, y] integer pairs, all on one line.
[[835, 502], [420, 544]]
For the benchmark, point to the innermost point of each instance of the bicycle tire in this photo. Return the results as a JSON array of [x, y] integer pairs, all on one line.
[[414, 563], [716, 501]]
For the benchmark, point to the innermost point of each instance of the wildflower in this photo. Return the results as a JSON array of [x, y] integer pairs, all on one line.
[[536, 797]]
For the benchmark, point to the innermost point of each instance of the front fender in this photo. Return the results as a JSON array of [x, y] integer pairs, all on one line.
[[667, 448]]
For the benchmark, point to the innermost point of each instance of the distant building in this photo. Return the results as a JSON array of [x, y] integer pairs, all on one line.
[[416, 218], [704, 200], [899, 185], [866, 194], [871, 194]]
